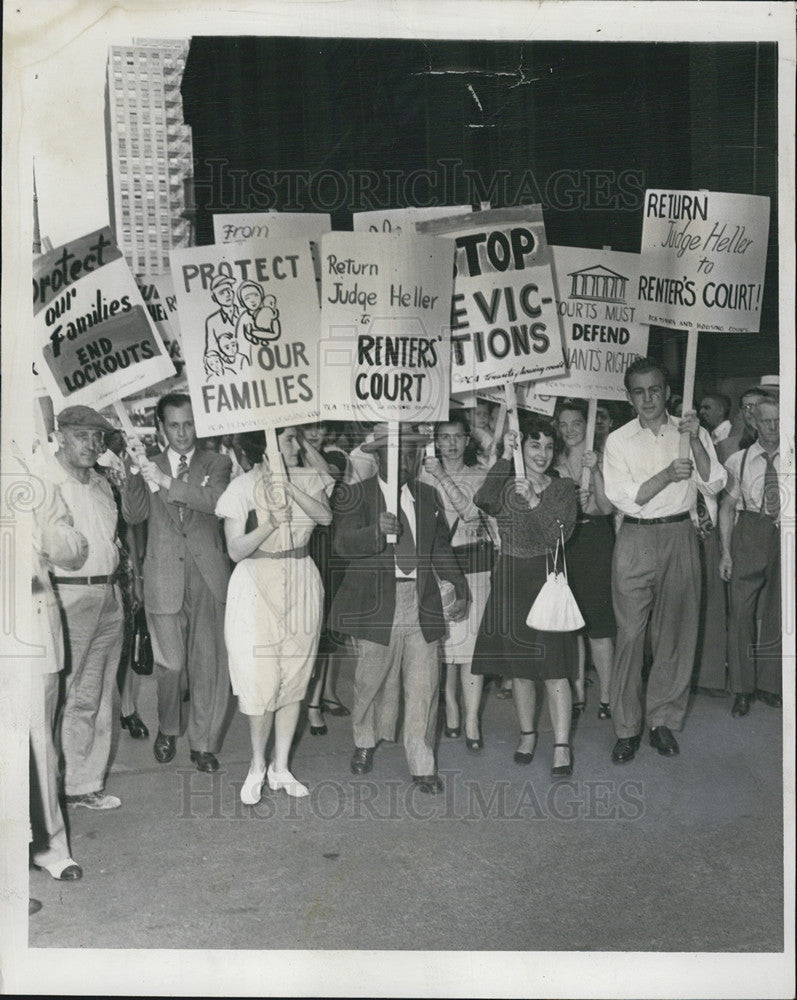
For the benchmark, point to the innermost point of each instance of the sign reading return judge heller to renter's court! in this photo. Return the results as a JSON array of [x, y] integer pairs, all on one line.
[[249, 323], [599, 311], [92, 329], [386, 315], [504, 326], [703, 259]]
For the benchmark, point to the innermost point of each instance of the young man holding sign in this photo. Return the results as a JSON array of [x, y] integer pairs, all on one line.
[[656, 566]]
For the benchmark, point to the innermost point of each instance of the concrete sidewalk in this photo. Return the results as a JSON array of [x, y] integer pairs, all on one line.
[[681, 854]]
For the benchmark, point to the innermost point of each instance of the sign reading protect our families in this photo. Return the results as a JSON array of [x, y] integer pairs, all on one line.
[[504, 326], [703, 260], [249, 323], [92, 328], [599, 312], [385, 317]]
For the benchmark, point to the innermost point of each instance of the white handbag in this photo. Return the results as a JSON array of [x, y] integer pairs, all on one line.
[[555, 608]]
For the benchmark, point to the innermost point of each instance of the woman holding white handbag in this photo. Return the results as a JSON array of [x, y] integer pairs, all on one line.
[[533, 515]]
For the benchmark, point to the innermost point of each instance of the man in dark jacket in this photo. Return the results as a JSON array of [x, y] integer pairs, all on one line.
[[389, 602]]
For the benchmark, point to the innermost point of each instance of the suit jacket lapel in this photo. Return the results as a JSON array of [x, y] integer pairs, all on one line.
[[162, 461]]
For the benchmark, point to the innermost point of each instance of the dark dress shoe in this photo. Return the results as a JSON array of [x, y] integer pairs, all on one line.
[[453, 732], [428, 783], [331, 706], [741, 706], [164, 747], [625, 749], [563, 770], [604, 710], [768, 698], [205, 761], [475, 746], [362, 760], [134, 725], [662, 739]]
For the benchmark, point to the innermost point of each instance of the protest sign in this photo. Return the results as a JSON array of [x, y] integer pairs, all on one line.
[[703, 260], [91, 326], [385, 316], [599, 312], [504, 326], [402, 220], [249, 325], [157, 291]]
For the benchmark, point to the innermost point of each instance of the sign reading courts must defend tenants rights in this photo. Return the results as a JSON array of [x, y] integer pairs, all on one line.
[[385, 318], [599, 313], [703, 260], [504, 326], [92, 328], [249, 324]]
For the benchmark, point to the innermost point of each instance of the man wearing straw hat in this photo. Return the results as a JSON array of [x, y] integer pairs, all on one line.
[[389, 602]]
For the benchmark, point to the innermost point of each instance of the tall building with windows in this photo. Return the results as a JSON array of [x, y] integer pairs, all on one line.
[[149, 151]]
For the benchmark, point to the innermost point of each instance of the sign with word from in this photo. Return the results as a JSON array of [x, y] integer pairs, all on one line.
[[385, 315], [599, 313], [504, 326], [249, 322], [92, 328], [703, 259]]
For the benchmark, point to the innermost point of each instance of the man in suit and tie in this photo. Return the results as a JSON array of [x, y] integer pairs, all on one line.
[[389, 602], [186, 572]]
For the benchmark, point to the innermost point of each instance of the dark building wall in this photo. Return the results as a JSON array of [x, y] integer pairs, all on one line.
[[347, 125]]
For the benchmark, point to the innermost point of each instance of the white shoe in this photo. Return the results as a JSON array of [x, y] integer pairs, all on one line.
[[284, 779], [94, 800], [253, 786], [66, 870]]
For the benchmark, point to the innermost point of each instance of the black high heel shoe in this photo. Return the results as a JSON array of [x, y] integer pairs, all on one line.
[[134, 725], [453, 732], [525, 758], [317, 730], [333, 707], [604, 711], [577, 709], [475, 746], [563, 770]]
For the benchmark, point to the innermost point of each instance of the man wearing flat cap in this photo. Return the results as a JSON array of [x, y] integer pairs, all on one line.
[[221, 339], [92, 605], [389, 602]]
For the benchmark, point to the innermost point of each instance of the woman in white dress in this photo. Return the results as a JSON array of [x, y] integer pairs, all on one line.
[[274, 602], [472, 539]]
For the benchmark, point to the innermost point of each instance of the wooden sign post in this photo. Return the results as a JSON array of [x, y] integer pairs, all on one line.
[[514, 425], [393, 445], [132, 433], [689, 387], [589, 440]]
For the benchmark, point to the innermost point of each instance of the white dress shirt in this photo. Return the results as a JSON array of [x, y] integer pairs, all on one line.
[[751, 491], [408, 506], [174, 459], [94, 514], [721, 431], [633, 454]]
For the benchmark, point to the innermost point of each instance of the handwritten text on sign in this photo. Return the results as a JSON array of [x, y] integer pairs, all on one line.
[[385, 320], [504, 326], [249, 322], [598, 309], [92, 328], [703, 260]]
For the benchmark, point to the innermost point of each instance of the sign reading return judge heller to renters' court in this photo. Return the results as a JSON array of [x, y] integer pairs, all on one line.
[[92, 329]]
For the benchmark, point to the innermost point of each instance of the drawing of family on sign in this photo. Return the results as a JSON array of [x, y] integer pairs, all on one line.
[[245, 317]]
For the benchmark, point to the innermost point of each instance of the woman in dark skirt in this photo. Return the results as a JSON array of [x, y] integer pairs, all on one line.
[[589, 552], [529, 513]]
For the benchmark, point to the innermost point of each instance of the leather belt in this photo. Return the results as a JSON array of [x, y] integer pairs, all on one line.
[[298, 553], [405, 579], [86, 581], [656, 520]]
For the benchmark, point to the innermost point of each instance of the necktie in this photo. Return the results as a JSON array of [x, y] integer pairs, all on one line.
[[770, 503], [406, 556], [182, 475], [704, 523]]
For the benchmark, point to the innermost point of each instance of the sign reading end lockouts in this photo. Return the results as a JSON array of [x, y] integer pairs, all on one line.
[[249, 325], [703, 260], [504, 326], [599, 311], [385, 318], [92, 328]]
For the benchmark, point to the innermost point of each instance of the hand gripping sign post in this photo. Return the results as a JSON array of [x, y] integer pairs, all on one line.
[[92, 329], [385, 317], [505, 327], [703, 261], [596, 297]]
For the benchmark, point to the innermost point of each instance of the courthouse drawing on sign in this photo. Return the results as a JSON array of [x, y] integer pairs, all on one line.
[[598, 283]]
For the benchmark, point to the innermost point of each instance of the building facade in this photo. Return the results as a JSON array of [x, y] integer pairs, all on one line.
[[149, 152]]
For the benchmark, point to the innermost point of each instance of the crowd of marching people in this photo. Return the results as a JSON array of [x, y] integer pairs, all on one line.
[[253, 579]]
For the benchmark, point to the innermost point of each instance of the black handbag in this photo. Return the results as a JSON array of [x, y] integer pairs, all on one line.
[[478, 556], [141, 658]]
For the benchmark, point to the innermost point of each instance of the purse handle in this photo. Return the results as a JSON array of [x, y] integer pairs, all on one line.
[[561, 539]]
